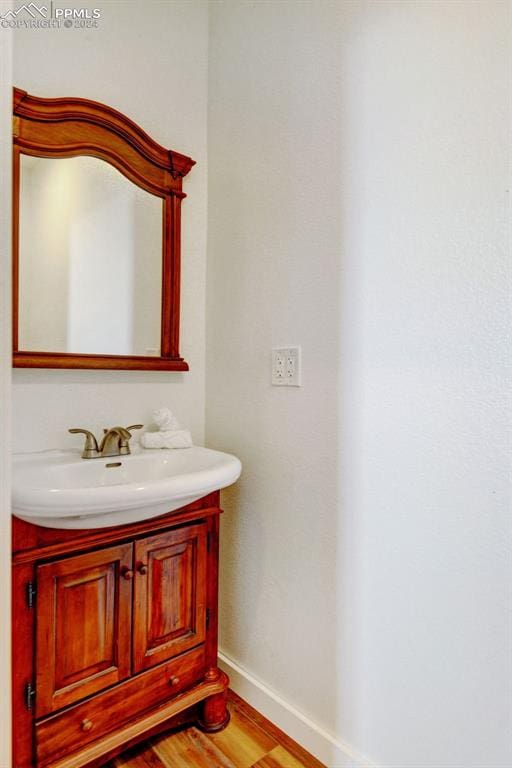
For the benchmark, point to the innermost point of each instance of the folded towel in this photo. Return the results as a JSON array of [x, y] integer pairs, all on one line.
[[175, 438], [169, 434]]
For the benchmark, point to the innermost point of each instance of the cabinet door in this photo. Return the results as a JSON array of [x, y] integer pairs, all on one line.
[[170, 595], [83, 626]]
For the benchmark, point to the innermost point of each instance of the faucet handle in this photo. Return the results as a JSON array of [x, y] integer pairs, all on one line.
[[91, 446], [133, 426], [124, 448], [122, 432]]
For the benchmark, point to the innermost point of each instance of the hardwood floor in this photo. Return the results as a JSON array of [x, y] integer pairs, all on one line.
[[249, 741]]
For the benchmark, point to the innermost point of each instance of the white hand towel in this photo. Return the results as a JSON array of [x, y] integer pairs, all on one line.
[[169, 434], [177, 438]]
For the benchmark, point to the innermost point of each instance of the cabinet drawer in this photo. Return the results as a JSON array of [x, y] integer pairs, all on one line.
[[71, 730]]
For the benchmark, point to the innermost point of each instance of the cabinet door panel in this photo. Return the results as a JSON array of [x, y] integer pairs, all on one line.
[[83, 626], [170, 595]]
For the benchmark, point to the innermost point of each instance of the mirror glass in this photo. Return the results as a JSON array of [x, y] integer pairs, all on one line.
[[90, 259]]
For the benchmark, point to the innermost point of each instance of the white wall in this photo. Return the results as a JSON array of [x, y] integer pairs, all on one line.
[[5, 391], [148, 59], [358, 161], [275, 188]]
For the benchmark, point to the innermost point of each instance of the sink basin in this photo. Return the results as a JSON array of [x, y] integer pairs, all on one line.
[[58, 489]]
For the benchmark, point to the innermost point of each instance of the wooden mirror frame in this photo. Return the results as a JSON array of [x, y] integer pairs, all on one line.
[[68, 127]]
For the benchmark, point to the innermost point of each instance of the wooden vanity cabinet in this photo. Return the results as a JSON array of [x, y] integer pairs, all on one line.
[[114, 636]]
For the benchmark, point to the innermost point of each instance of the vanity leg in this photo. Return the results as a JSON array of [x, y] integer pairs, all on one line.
[[215, 713]]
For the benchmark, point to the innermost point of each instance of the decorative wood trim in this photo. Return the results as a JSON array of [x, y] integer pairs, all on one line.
[[185, 717], [104, 362], [32, 542], [69, 127], [64, 109], [23, 664], [213, 590], [142, 726], [15, 245]]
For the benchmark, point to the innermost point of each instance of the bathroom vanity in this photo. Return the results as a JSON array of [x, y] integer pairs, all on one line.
[[114, 570], [114, 635]]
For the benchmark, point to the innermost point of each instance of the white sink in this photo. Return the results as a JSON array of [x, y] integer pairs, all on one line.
[[58, 489]]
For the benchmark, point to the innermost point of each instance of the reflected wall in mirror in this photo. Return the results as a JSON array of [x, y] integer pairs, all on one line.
[[90, 259], [96, 239]]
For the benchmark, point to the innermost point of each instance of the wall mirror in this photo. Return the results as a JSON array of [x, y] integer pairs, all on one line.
[[96, 239]]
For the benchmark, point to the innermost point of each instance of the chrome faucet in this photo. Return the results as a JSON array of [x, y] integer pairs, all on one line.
[[115, 442]]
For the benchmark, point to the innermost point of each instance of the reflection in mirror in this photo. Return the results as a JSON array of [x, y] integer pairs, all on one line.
[[90, 259]]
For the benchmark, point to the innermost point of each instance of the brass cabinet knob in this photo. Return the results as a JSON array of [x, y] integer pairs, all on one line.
[[174, 681], [127, 574], [142, 569], [86, 725]]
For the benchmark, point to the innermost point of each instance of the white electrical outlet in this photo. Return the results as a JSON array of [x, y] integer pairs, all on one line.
[[286, 367]]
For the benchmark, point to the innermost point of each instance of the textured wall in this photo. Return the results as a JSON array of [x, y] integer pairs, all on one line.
[[275, 145], [5, 391], [148, 59], [358, 159]]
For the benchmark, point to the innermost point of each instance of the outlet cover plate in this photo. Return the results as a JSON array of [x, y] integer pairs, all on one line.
[[286, 367]]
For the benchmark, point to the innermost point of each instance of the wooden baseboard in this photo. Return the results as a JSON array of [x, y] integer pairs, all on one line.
[[324, 746]]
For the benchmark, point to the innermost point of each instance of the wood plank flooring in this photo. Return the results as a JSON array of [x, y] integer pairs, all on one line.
[[249, 741]]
